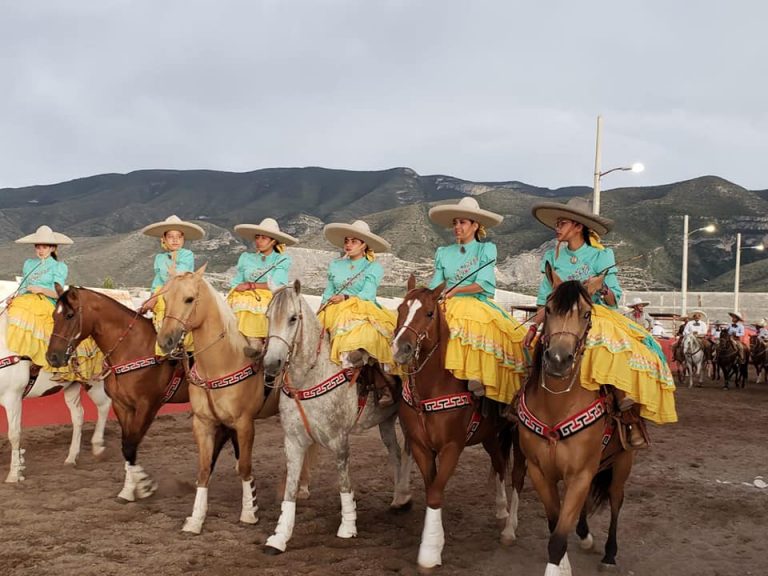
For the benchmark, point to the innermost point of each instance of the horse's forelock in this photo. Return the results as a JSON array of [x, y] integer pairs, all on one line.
[[566, 296], [279, 303]]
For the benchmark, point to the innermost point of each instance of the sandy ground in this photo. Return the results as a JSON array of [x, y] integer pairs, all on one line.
[[687, 511]]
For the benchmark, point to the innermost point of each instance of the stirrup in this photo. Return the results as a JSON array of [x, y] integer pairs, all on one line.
[[476, 387]]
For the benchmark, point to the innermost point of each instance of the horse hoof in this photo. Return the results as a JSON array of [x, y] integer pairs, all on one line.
[[587, 543], [192, 525], [71, 461], [14, 479], [98, 451], [303, 493], [507, 539], [270, 551], [122, 500], [401, 508], [346, 532], [248, 518], [603, 567], [427, 570]]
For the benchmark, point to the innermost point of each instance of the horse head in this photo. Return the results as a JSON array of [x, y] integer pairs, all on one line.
[[182, 294], [690, 344], [419, 322], [285, 315], [70, 327], [567, 319]]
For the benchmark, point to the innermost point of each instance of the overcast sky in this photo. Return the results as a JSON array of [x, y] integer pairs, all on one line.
[[482, 90]]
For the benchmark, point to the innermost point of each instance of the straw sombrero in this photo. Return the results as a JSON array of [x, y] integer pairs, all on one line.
[[699, 312], [736, 315], [467, 207], [267, 227], [638, 302], [576, 209], [336, 232], [158, 229], [44, 235]]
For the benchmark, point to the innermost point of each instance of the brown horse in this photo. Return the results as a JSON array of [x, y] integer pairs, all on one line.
[[136, 381], [227, 390], [758, 354], [728, 361], [564, 433], [441, 417]]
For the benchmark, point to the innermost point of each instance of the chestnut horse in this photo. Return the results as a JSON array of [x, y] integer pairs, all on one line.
[[136, 381], [441, 417], [564, 432]]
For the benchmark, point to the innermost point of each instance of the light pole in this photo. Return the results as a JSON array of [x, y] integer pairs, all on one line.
[[738, 267], [636, 167], [684, 281]]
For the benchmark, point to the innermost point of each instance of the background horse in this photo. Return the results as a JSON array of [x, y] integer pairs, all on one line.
[[564, 431], [728, 361], [136, 381], [320, 406], [227, 390], [758, 354], [441, 417], [15, 385], [695, 356]]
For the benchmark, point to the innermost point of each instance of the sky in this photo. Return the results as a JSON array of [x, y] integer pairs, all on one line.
[[478, 89]]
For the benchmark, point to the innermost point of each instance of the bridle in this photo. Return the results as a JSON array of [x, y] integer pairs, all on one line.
[[578, 351], [420, 338], [71, 344]]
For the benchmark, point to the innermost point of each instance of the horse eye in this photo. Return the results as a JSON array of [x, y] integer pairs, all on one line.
[[293, 318], [189, 300], [430, 314], [69, 315]]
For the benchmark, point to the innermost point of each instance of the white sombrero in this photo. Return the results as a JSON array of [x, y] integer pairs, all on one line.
[[158, 229], [736, 315], [467, 207], [336, 232], [638, 302], [576, 209], [44, 235], [699, 312], [267, 227], [762, 324]]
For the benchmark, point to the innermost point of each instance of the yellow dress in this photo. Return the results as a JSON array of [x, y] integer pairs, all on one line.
[[158, 315], [250, 308]]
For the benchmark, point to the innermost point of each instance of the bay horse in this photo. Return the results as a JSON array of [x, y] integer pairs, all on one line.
[[227, 388], [320, 405], [564, 432], [695, 357], [16, 385], [728, 361], [441, 417], [137, 382], [758, 354]]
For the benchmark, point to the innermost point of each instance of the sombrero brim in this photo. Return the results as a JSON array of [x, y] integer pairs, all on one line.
[[54, 239], [548, 212], [446, 214], [335, 234], [734, 315], [158, 229], [643, 303], [248, 231], [701, 312]]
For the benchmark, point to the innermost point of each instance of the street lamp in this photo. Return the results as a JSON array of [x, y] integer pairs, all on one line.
[[759, 247], [684, 283], [636, 167]]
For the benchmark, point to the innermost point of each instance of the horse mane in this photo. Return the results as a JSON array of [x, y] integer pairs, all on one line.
[[233, 336], [567, 295], [536, 366]]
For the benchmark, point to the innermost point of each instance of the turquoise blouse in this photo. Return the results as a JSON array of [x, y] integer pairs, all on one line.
[[580, 264], [451, 266], [251, 267], [185, 262], [43, 273], [367, 275]]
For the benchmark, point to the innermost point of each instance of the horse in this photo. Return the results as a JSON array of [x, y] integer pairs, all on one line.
[[678, 355], [137, 382], [320, 405], [441, 417], [564, 432], [728, 361], [16, 385], [227, 388], [758, 354], [695, 356]]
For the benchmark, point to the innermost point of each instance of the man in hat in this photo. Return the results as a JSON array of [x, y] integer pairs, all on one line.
[[762, 329], [696, 325], [638, 314], [736, 332]]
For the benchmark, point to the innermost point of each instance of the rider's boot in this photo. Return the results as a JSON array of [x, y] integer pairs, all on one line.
[[630, 418]]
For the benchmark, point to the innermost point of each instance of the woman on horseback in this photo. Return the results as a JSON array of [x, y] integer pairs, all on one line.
[[485, 345], [258, 273], [173, 233], [30, 310], [360, 328], [618, 352]]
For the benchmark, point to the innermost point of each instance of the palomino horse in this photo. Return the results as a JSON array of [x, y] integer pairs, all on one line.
[[564, 432], [441, 417], [758, 354], [138, 383], [227, 389], [728, 361], [320, 406], [695, 356], [15, 385]]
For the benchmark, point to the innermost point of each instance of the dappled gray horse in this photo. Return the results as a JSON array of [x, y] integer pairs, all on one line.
[[693, 353]]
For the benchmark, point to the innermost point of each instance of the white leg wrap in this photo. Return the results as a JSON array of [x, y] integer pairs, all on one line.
[[552, 570], [587, 543], [128, 493], [432, 539], [145, 486], [194, 523], [17, 466], [248, 514], [348, 527], [565, 566], [284, 529], [509, 533]]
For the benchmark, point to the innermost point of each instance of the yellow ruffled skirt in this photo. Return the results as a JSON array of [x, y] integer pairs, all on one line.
[[30, 326], [485, 345], [250, 308], [158, 314], [622, 353], [356, 323]]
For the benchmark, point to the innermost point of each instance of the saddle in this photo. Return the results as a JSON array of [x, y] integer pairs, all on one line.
[[626, 420]]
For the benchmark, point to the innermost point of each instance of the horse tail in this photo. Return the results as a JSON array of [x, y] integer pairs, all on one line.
[[598, 491]]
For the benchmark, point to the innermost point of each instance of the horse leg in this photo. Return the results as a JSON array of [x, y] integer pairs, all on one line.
[[12, 405], [205, 433], [586, 540], [244, 468], [576, 491], [75, 405], [504, 519], [621, 470], [550, 498], [401, 464], [432, 538], [134, 422], [348, 526], [310, 458], [102, 402], [294, 456]]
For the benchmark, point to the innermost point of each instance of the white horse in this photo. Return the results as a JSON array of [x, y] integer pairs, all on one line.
[[14, 386], [693, 353], [323, 409]]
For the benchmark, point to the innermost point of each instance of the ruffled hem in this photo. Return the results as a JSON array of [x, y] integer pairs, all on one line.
[[356, 323]]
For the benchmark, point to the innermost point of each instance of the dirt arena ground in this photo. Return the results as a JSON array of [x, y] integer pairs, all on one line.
[[687, 511]]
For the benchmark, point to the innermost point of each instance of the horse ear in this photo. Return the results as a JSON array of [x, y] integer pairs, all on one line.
[[59, 288], [551, 275], [297, 286], [439, 290], [411, 282], [200, 271]]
